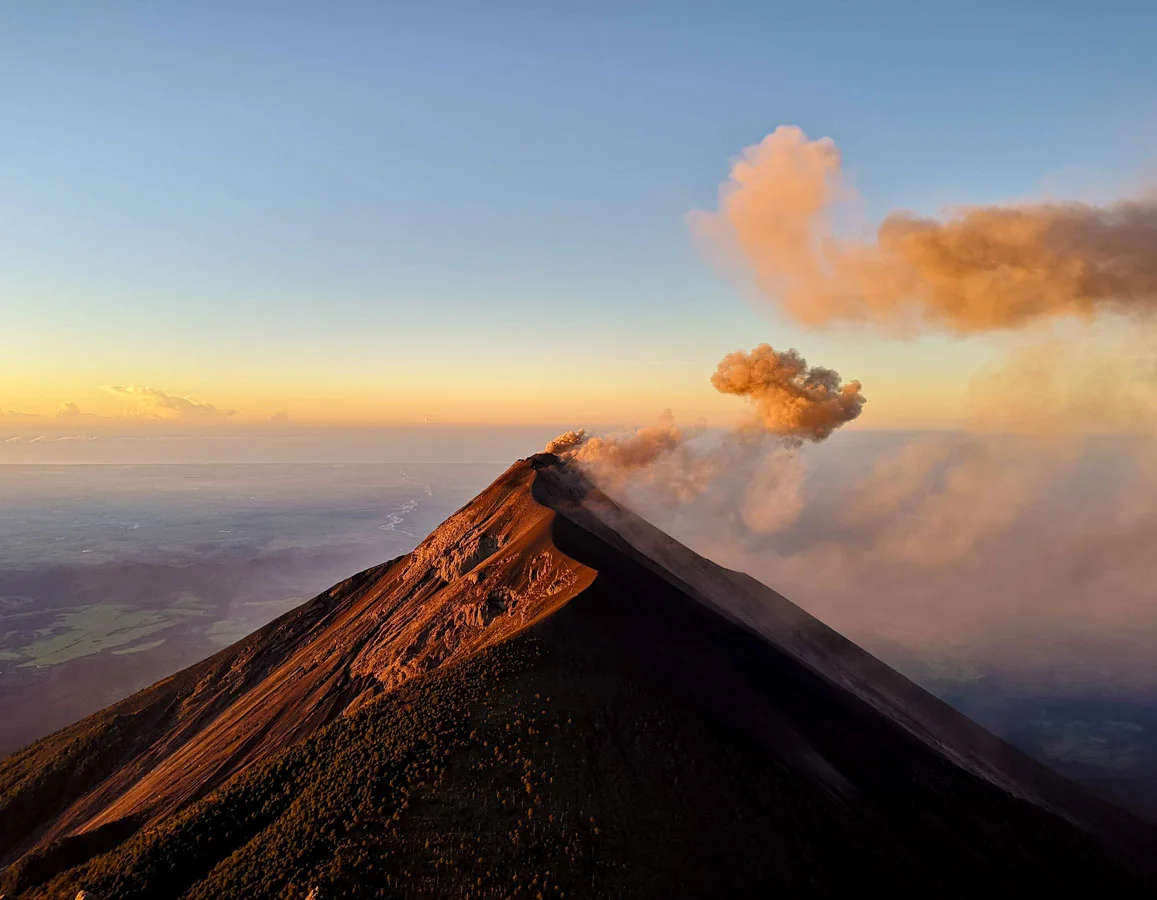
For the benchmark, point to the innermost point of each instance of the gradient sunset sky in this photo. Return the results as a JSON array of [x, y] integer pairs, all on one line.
[[390, 213]]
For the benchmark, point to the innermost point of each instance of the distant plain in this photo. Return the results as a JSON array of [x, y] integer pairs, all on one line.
[[113, 577]]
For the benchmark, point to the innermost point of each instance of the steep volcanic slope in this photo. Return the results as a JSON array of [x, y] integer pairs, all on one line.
[[594, 530], [549, 696], [484, 573]]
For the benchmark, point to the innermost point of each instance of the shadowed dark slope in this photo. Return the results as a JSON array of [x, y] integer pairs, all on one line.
[[550, 696], [604, 536]]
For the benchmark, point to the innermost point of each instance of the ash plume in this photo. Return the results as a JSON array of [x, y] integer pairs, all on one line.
[[655, 454], [979, 268], [789, 399], [1024, 541], [566, 442], [792, 403], [633, 450]]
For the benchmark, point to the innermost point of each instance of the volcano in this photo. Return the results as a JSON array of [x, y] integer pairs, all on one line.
[[549, 697]]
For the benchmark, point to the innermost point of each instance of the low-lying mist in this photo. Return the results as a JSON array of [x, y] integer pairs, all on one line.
[[1021, 556]]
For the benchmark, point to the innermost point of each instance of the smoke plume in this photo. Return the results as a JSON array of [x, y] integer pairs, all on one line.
[[631, 451], [792, 403], [979, 268], [789, 399], [566, 442], [656, 455], [1027, 555]]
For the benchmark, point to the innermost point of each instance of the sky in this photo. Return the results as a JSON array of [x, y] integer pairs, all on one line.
[[354, 214]]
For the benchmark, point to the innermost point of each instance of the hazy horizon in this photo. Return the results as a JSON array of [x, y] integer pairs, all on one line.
[[395, 445]]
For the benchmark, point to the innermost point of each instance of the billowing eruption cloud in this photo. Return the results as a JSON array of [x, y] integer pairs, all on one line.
[[979, 268], [789, 399], [1015, 559], [792, 404]]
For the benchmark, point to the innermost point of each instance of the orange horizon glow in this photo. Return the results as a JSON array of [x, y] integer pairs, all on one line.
[[107, 410]]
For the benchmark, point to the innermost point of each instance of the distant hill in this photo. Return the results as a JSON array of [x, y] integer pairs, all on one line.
[[548, 697]]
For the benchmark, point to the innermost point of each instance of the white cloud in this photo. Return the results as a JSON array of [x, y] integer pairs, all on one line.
[[156, 404], [48, 438]]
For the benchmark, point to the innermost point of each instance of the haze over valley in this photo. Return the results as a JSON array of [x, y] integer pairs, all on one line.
[[116, 576]]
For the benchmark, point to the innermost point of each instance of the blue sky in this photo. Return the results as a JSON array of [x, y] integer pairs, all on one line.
[[477, 211]]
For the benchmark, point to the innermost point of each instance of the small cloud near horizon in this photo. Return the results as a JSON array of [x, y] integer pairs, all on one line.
[[142, 405], [48, 438], [153, 403]]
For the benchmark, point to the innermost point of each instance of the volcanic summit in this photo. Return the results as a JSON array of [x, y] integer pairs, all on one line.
[[549, 697]]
